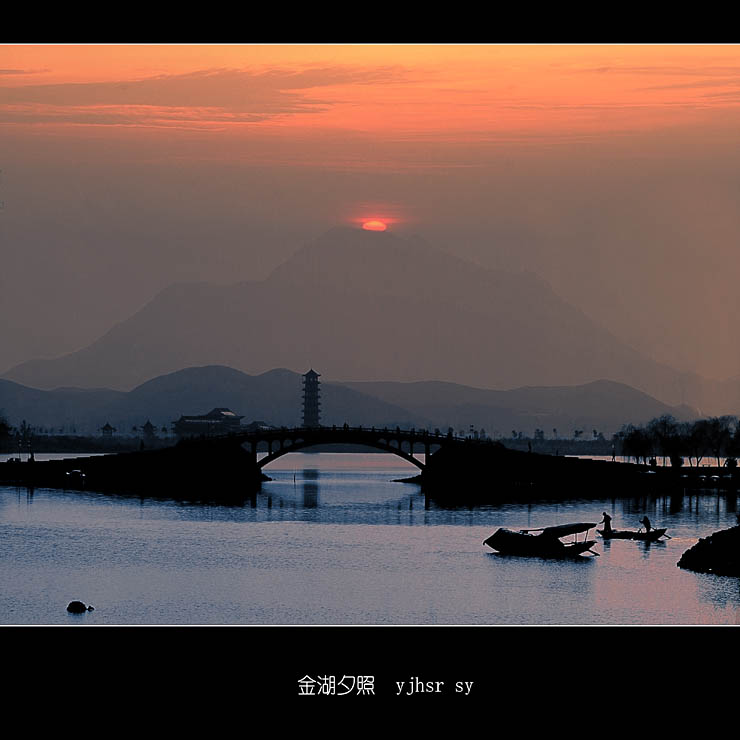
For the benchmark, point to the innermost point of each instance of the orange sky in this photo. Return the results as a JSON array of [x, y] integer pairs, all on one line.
[[442, 93], [611, 171]]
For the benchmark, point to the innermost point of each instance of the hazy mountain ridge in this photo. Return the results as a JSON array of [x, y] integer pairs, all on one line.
[[276, 397], [602, 405], [370, 306]]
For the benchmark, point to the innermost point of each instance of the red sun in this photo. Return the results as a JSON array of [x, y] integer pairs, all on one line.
[[374, 225]]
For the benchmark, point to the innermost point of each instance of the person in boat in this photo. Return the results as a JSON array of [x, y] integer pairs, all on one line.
[[646, 522], [607, 522]]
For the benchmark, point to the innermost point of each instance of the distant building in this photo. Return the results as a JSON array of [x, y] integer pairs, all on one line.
[[217, 421], [311, 404], [107, 430], [149, 430], [257, 426]]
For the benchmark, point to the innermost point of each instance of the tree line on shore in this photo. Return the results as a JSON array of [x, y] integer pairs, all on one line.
[[26, 438], [715, 437]]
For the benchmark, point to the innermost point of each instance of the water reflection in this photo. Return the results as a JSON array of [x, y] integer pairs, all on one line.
[[732, 501], [318, 495], [433, 568], [675, 504], [345, 495], [311, 488], [721, 592], [561, 562], [645, 546]]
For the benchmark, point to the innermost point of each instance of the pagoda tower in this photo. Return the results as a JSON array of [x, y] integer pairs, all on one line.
[[311, 403]]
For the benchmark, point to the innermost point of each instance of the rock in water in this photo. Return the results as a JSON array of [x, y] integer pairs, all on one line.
[[719, 554], [76, 607]]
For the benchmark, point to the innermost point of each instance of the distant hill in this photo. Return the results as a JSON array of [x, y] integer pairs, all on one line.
[[602, 405], [69, 408], [363, 305], [275, 397]]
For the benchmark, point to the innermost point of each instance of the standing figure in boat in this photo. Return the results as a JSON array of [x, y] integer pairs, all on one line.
[[646, 522], [607, 522]]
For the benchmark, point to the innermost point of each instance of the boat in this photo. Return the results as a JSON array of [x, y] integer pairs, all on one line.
[[546, 544], [627, 534]]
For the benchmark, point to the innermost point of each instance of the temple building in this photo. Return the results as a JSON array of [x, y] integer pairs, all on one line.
[[217, 421], [149, 431], [311, 404]]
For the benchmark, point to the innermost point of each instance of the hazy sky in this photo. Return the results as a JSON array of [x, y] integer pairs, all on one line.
[[611, 171]]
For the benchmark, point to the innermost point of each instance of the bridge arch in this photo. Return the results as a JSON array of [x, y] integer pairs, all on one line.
[[301, 444]]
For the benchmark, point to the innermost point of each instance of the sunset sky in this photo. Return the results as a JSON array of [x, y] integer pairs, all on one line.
[[611, 171]]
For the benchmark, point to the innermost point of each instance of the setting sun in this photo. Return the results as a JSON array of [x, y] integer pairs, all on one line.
[[374, 226]]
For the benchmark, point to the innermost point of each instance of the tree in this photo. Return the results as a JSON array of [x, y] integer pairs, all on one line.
[[635, 443], [24, 431], [664, 433], [695, 439], [733, 446], [719, 434], [5, 428]]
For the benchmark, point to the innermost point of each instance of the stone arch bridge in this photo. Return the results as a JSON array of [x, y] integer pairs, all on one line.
[[225, 467], [404, 443]]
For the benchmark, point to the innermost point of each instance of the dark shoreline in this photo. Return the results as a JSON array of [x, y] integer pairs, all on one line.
[[44, 444], [719, 553]]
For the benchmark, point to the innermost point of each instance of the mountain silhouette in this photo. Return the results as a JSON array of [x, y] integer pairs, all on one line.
[[602, 405], [275, 397], [364, 306]]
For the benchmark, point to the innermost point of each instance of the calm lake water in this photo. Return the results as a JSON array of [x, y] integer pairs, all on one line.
[[333, 540]]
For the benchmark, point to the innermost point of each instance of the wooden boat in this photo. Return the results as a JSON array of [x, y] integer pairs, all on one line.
[[626, 534], [546, 544]]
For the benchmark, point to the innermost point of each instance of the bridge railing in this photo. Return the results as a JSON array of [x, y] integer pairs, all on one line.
[[407, 433]]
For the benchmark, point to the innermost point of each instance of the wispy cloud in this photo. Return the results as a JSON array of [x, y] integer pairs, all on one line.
[[659, 70], [724, 82], [130, 115], [694, 77], [226, 95], [10, 72]]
